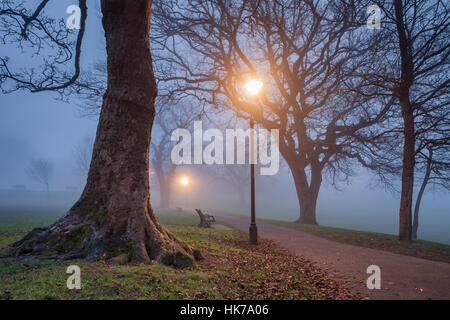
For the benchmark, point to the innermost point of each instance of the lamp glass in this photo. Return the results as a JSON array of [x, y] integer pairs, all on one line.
[[253, 86]]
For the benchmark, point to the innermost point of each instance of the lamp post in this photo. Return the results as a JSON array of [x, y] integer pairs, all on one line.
[[253, 87], [253, 230]]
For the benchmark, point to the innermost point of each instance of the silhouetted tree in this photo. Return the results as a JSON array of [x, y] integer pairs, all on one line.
[[41, 171], [411, 62], [82, 155], [433, 161], [29, 28], [173, 115]]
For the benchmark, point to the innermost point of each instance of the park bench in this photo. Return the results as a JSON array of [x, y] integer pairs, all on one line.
[[205, 219]]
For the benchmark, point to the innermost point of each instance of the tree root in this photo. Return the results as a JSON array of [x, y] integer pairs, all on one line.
[[77, 237]]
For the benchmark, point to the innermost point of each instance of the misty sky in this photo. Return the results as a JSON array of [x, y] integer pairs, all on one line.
[[36, 126]]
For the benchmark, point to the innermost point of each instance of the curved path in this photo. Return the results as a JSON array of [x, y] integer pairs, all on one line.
[[402, 277]]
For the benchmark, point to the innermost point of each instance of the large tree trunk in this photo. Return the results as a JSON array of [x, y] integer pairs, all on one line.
[[114, 216], [426, 178], [407, 77], [307, 193]]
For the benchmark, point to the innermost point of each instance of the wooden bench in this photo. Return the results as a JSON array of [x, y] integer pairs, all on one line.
[[205, 219]]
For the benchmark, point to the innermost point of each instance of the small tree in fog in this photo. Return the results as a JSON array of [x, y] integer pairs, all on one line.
[[433, 166], [82, 155], [41, 171]]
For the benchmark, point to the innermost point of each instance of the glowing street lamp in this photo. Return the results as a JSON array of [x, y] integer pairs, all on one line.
[[184, 181], [253, 87]]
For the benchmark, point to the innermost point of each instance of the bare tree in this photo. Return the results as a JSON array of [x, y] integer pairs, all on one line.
[[162, 165], [82, 155], [433, 161], [171, 116], [113, 214], [411, 62], [309, 54], [30, 28], [41, 171]]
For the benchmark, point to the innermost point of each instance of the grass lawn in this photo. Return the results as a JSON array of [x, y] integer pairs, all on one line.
[[232, 269], [418, 248]]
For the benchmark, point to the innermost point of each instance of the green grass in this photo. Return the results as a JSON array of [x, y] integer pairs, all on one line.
[[227, 272], [418, 248], [170, 217], [46, 279], [14, 222]]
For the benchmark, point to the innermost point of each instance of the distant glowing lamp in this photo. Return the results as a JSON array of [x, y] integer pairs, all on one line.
[[184, 181]]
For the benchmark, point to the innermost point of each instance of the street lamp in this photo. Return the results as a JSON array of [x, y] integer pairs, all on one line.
[[184, 181], [253, 87]]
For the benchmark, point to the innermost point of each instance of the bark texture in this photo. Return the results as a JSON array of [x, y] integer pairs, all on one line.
[[405, 224], [113, 215], [406, 81]]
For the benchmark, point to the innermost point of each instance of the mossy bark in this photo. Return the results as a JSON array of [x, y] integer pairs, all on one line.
[[113, 215]]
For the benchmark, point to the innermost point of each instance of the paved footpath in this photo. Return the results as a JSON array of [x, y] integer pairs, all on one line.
[[402, 277]]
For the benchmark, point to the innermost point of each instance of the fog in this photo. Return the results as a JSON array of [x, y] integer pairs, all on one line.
[[38, 126]]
